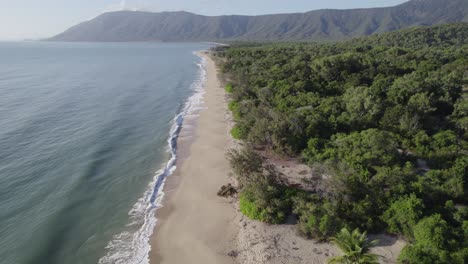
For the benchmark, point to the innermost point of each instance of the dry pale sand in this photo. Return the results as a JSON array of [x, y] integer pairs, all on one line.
[[195, 225]]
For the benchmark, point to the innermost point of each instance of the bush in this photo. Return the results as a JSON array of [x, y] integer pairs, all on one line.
[[403, 214], [444, 148], [228, 88], [434, 243], [432, 232], [250, 209], [355, 247], [418, 254], [314, 150], [367, 148], [262, 197], [266, 201], [460, 257], [316, 217], [239, 132], [246, 164], [233, 106]]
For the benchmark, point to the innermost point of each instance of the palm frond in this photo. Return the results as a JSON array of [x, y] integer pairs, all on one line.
[[355, 247]]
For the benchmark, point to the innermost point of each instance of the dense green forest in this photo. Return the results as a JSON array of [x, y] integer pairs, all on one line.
[[383, 123]]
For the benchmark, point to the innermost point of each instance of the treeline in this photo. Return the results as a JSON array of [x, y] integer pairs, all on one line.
[[383, 123]]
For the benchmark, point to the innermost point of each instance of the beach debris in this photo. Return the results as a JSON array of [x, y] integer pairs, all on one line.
[[227, 190], [233, 254]]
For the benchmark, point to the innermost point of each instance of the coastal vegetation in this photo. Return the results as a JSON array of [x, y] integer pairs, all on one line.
[[382, 121], [355, 247]]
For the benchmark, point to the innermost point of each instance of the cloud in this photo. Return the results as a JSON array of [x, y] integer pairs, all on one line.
[[123, 4]]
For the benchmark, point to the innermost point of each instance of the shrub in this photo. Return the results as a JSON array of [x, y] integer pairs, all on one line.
[[417, 254], [460, 257], [403, 214], [355, 247], [239, 132], [314, 150], [444, 148], [249, 208], [246, 164], [228, 88], [264, 199], [316, 218], [265, 202], [465, 231], [233, 106], [432, 232], [367, 148], [434, 243]]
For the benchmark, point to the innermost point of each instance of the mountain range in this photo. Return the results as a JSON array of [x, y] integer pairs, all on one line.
[[318, 25]]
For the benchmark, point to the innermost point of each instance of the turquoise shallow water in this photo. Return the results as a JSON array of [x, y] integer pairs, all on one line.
[[83, 130]]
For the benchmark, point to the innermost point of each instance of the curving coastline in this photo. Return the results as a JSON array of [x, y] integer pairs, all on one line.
[[134, 248], [194, 224]]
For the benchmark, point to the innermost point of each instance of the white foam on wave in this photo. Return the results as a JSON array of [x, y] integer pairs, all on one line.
[[134, 247]]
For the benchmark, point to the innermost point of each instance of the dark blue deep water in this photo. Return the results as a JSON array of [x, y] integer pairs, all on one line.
[[83, 130]]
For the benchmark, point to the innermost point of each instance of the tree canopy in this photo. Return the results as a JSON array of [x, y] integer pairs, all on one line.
[[383, 117]]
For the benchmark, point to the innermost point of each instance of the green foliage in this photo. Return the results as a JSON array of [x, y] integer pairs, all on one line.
[[234, 107], [444, 147], [403, 214], [316, 217], [366, 148], [434, 243], [445, 184], [355, 247], [262, 197], [249, 208], [432, 232], [381, 120], [228, 88], [418, 254], [465, 231], [460, 116], [363, 106], [265, 200], [460, 256], [246, 164], [314, 150], [239, 132]]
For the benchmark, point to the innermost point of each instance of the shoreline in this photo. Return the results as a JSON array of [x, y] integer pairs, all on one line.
[[195, 225]]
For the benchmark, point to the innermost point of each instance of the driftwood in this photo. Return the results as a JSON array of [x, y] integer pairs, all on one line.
[[227, 190]]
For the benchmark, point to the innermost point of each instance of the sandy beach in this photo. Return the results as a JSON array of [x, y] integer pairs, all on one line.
[[195, 225]]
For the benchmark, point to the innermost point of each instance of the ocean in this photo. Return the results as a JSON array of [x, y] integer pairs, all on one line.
[[87, 136]]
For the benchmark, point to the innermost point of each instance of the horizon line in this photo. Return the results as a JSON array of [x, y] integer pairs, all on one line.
[[143, 10]]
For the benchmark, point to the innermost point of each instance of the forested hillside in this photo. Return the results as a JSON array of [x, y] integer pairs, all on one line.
[[318, 25], [383, 123]]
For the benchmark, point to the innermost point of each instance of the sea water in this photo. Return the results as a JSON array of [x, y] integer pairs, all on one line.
[[87, 136]]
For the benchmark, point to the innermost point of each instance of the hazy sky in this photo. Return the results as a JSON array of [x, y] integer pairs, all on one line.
[[20, 19]]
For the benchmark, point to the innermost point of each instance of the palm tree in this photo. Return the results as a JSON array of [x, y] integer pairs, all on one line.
[[355, 247]]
